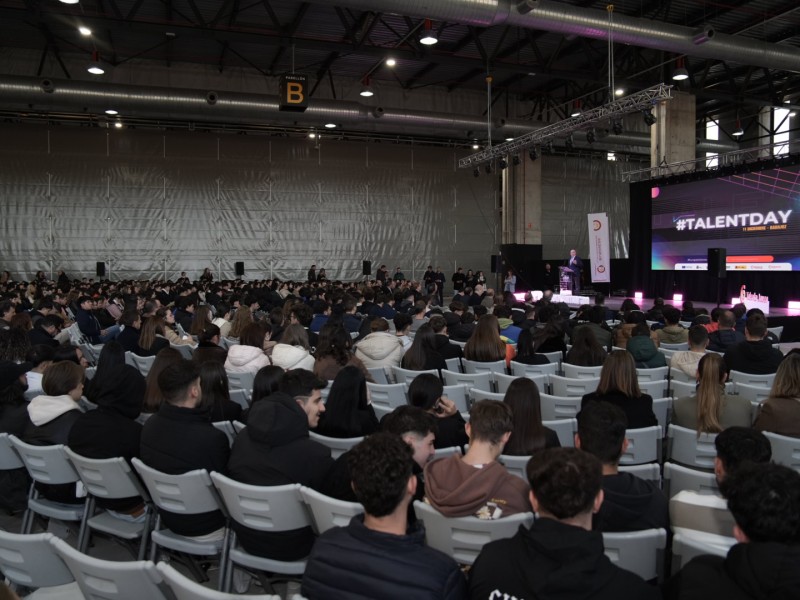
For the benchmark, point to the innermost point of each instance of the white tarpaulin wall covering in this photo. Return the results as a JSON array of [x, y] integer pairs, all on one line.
[[151, 203]]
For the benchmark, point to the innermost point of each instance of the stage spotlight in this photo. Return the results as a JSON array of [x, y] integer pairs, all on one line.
[[616, 126], [677, 297], [533, 153], [476, 172], [515, 160], [488, 169], [591, 137], [569, 143], [649, 118], [502, 163], [794, 305], [638, 296]]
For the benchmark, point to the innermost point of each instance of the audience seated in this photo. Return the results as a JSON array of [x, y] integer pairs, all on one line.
[[45, 330], [725, 335], [208, 348], [248, 355], [115, 380], [13, 420], [426, 392], [623, 332], [89, 325], [441, 341], [180, 438], [686, 360], [559, 556], [486, 345], [528, 434], [596, 323], [586, 351], [629, 503], [620, 386], [379, 348], [548, 335], [151, 338], [274, 449], [128, 338], [644, 350], [672, 332], [476, 484], [423, 354], [216, 392], [763, 564], [266, 382], [780, 412], [348, 412], [711, 410], [334, 352], [40, 356], [507, 328], [379, 555], [755, 354], [153, 398]]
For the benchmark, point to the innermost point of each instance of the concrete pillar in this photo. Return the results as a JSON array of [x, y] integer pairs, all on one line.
[[522, 202], [672, 138]]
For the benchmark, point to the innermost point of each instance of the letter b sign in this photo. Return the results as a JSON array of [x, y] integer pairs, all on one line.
[[293, 93]]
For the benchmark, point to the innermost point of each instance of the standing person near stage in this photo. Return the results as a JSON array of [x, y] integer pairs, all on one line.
[[459, 280], [312, 273], [439, 279], [575, 264], [510, 283]]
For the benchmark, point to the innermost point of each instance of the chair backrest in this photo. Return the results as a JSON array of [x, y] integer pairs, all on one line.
[[327, 512], [112, 580], [338, 446], [463, 538], [238, 426], [453, 364], [481, 381], [644, 446], [776, 331], [757, 393], [107, 477], [678, 478], [667, 353], [407, 375], [681, 346], [648, 471], [641, 552], [185, 350], [503, 381], [378, 375], [184, 588], [143, 363], [241, 397], [785, 450], [476, 394], [9, 459], [263, 508], [662, 408], [445, 452], [381, 410], [565, 429], [473, 367], [657, 388], [564, 386], [515, 464], [227, 428], [685, 547], [553, 357], [190, 493], [459, 394], [578, 372], [129, 359], [28, 560], [241, 381], [523, 370], [45, 464], [559, 407], [390, 395], [681, 389], [678, 375], [655, 374], [751, 379], [687, 448]]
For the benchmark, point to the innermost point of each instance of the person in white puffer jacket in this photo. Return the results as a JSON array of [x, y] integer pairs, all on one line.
[[248, 355], [293, 351], [380, 348]]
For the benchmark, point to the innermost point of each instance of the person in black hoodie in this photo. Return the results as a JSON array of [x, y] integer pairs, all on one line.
[[180, 438], [441, 342], [13, 419], [559, 557], [275, 449], [629, 503], [756, 354], [115, 381], [425, 392], [763, 499]]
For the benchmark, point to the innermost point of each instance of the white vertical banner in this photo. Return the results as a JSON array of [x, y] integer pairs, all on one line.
[[599, 253]]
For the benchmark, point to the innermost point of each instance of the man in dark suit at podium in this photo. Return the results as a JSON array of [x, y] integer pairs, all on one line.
[[575, 264]]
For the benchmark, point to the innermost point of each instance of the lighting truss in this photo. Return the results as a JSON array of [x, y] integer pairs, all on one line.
[[640, 101]]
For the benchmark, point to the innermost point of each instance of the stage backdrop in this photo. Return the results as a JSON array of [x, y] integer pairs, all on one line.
[[150, 203]]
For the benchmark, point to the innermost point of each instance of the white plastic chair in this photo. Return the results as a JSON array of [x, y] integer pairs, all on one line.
[[241, 397], [459, 394], [654, 374], [143, 363], [640, 552], [184, 588], [481, 381], [473, 367], [407, 375], [559, 407], [463, 538], [648, 471], [681, 346], [685, 547], [453, 364], [578, 372], [565, 429], [516, 465], [564, 386], [327, 512], [554, 357], [503, 381], [776, 331], [390, 395], [785, 450], [655, 389], [644, 446], [678, 478], [523, 370], [751, 379], [29, 561], [678, 375], [338, 446], [445, 452], [754, 393], [687, 448], [241, 381], [662, 408], [228, 429], [378, 375], [476, 395], [186, 350]]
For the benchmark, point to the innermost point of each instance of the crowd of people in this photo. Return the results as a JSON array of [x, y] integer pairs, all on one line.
[[299, 338]]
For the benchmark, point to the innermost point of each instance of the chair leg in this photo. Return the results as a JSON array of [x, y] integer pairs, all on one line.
[[153, 544], [28, 517], [148, 525], [225, 564], [84, 533]]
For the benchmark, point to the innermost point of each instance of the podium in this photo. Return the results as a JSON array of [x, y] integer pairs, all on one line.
[[565, 279]]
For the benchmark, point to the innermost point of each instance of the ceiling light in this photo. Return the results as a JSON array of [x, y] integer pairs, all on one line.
[[427, 36], [312, 135], [649, 118], [118, 124], [611, 156], [533, 154], [94, 67], [330, 125], [739, 131], [111, 111], [680, 73], [69, 1], [619, 92], [366, 91], [390, 62], [793, 114], [509, 139], [85, 30], [576, 109], [475, 145]]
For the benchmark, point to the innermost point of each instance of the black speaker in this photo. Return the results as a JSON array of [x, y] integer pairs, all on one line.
[[366, 267], [497, 263], [717, 258], [100, 269], [238, 268]]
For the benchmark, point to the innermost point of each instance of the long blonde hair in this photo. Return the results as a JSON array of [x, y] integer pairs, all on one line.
[[712, 373], [787, 378], [241, 319], [485, 345], [619, 373]]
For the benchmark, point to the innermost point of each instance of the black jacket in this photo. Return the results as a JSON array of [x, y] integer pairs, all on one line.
[[753, 357], [721, 340], [553, 561], [208, 351], [753, 570], [354, 562], [37, 335], [638, 410], [631, 504], [274, 449], [127, 389], [14, 482], [176, 440], [129, 340], [159, 343], [444, 348]]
